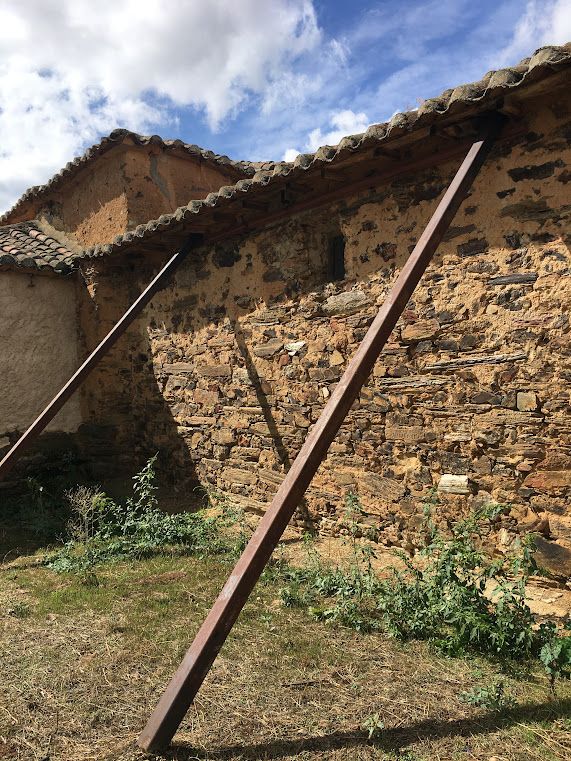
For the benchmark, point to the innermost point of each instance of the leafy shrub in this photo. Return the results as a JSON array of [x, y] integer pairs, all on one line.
[[455, 595], [36, 506], [555, 655], [101, 529], [493, 698], [373, 725], [460, 598]]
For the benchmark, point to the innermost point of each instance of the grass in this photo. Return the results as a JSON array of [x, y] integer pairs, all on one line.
[[83, 666]]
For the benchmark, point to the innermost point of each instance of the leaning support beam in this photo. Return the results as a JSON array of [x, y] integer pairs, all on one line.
[[186, 682], [27, 439]]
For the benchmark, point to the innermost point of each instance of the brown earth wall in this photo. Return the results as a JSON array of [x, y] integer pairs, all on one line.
[[126, 187], [232, 364]]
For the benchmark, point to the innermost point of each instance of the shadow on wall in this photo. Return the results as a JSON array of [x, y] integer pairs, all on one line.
[[258, 386], [280, 448], [195, 408], [127, 419], [148, 427]]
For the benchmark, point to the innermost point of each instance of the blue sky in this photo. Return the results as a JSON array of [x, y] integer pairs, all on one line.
[[255, 79]]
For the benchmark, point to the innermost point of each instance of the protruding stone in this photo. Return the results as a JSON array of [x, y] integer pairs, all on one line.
[[224, 436], [549, 480], [268, 349], [526, 401], [214, 371], [336, 358], [454, 484], [273, 316], [518, 278], [234, 475], [410, 434], [178, 367], [423, 330], [552, 556], [346, 303], [386, 489], [294, 347], [485, 397]]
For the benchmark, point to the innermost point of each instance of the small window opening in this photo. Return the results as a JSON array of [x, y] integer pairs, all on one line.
[[336, 263]]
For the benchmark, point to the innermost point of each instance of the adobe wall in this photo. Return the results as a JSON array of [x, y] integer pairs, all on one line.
[[39, 340], [127, 186], [231, 366]]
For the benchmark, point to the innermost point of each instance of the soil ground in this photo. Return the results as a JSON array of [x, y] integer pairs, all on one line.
[[82, 667]]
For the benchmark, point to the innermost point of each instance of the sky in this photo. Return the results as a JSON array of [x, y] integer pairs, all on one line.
[[252, 79]]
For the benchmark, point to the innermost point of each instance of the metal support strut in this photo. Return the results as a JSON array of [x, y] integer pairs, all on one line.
[[186, 682], [28, 438]]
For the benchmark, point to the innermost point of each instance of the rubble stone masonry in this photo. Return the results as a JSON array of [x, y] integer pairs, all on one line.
[[230, 367]]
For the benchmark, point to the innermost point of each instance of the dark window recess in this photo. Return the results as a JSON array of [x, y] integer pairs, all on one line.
[[336, 264]]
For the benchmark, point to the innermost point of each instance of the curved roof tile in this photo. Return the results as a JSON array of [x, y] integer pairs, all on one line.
[[492, 85], [116, 138], [26, 245]]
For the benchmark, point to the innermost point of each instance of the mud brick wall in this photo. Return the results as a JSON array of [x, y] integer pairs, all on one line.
[[231, 366], [38, 321]]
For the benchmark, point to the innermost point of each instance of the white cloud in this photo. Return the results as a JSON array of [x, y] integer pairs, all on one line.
[[71, 70], [290, 154], [544, 22], [427, 67], [341, 124], [261, 70]]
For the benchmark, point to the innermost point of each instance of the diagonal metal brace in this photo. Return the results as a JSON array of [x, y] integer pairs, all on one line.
[[186, 682]]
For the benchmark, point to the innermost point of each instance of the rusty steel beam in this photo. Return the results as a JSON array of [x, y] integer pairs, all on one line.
[[186, 682], [27, 439]]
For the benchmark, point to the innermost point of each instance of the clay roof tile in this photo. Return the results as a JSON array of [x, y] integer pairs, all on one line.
[[26, 246]]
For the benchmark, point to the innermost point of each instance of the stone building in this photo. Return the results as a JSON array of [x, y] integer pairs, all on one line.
[[232, 363]]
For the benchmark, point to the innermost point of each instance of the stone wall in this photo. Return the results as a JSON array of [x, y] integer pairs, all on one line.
[[231, 366], [39, 340]]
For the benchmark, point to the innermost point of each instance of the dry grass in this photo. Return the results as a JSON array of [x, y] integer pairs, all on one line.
[[82, 667]]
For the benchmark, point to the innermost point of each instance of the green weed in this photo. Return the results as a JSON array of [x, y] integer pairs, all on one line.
[[101, 529], [455, 595], [373, 725], [493, 698]]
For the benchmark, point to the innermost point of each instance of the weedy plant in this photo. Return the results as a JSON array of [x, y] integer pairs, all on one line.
[[232, 524], [461, 598], [38, 508], [555, 654], [492, 698], [101, 529], [373, 725], [455, 595]]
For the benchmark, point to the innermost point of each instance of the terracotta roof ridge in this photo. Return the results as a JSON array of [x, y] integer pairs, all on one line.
[[118, 137], [486, 91]]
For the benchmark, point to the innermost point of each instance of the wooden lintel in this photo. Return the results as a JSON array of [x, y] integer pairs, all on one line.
[[511, 106], [292, 205], [390, 154], [299, 187], [333, 175], [256, 205], [221, 216]]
